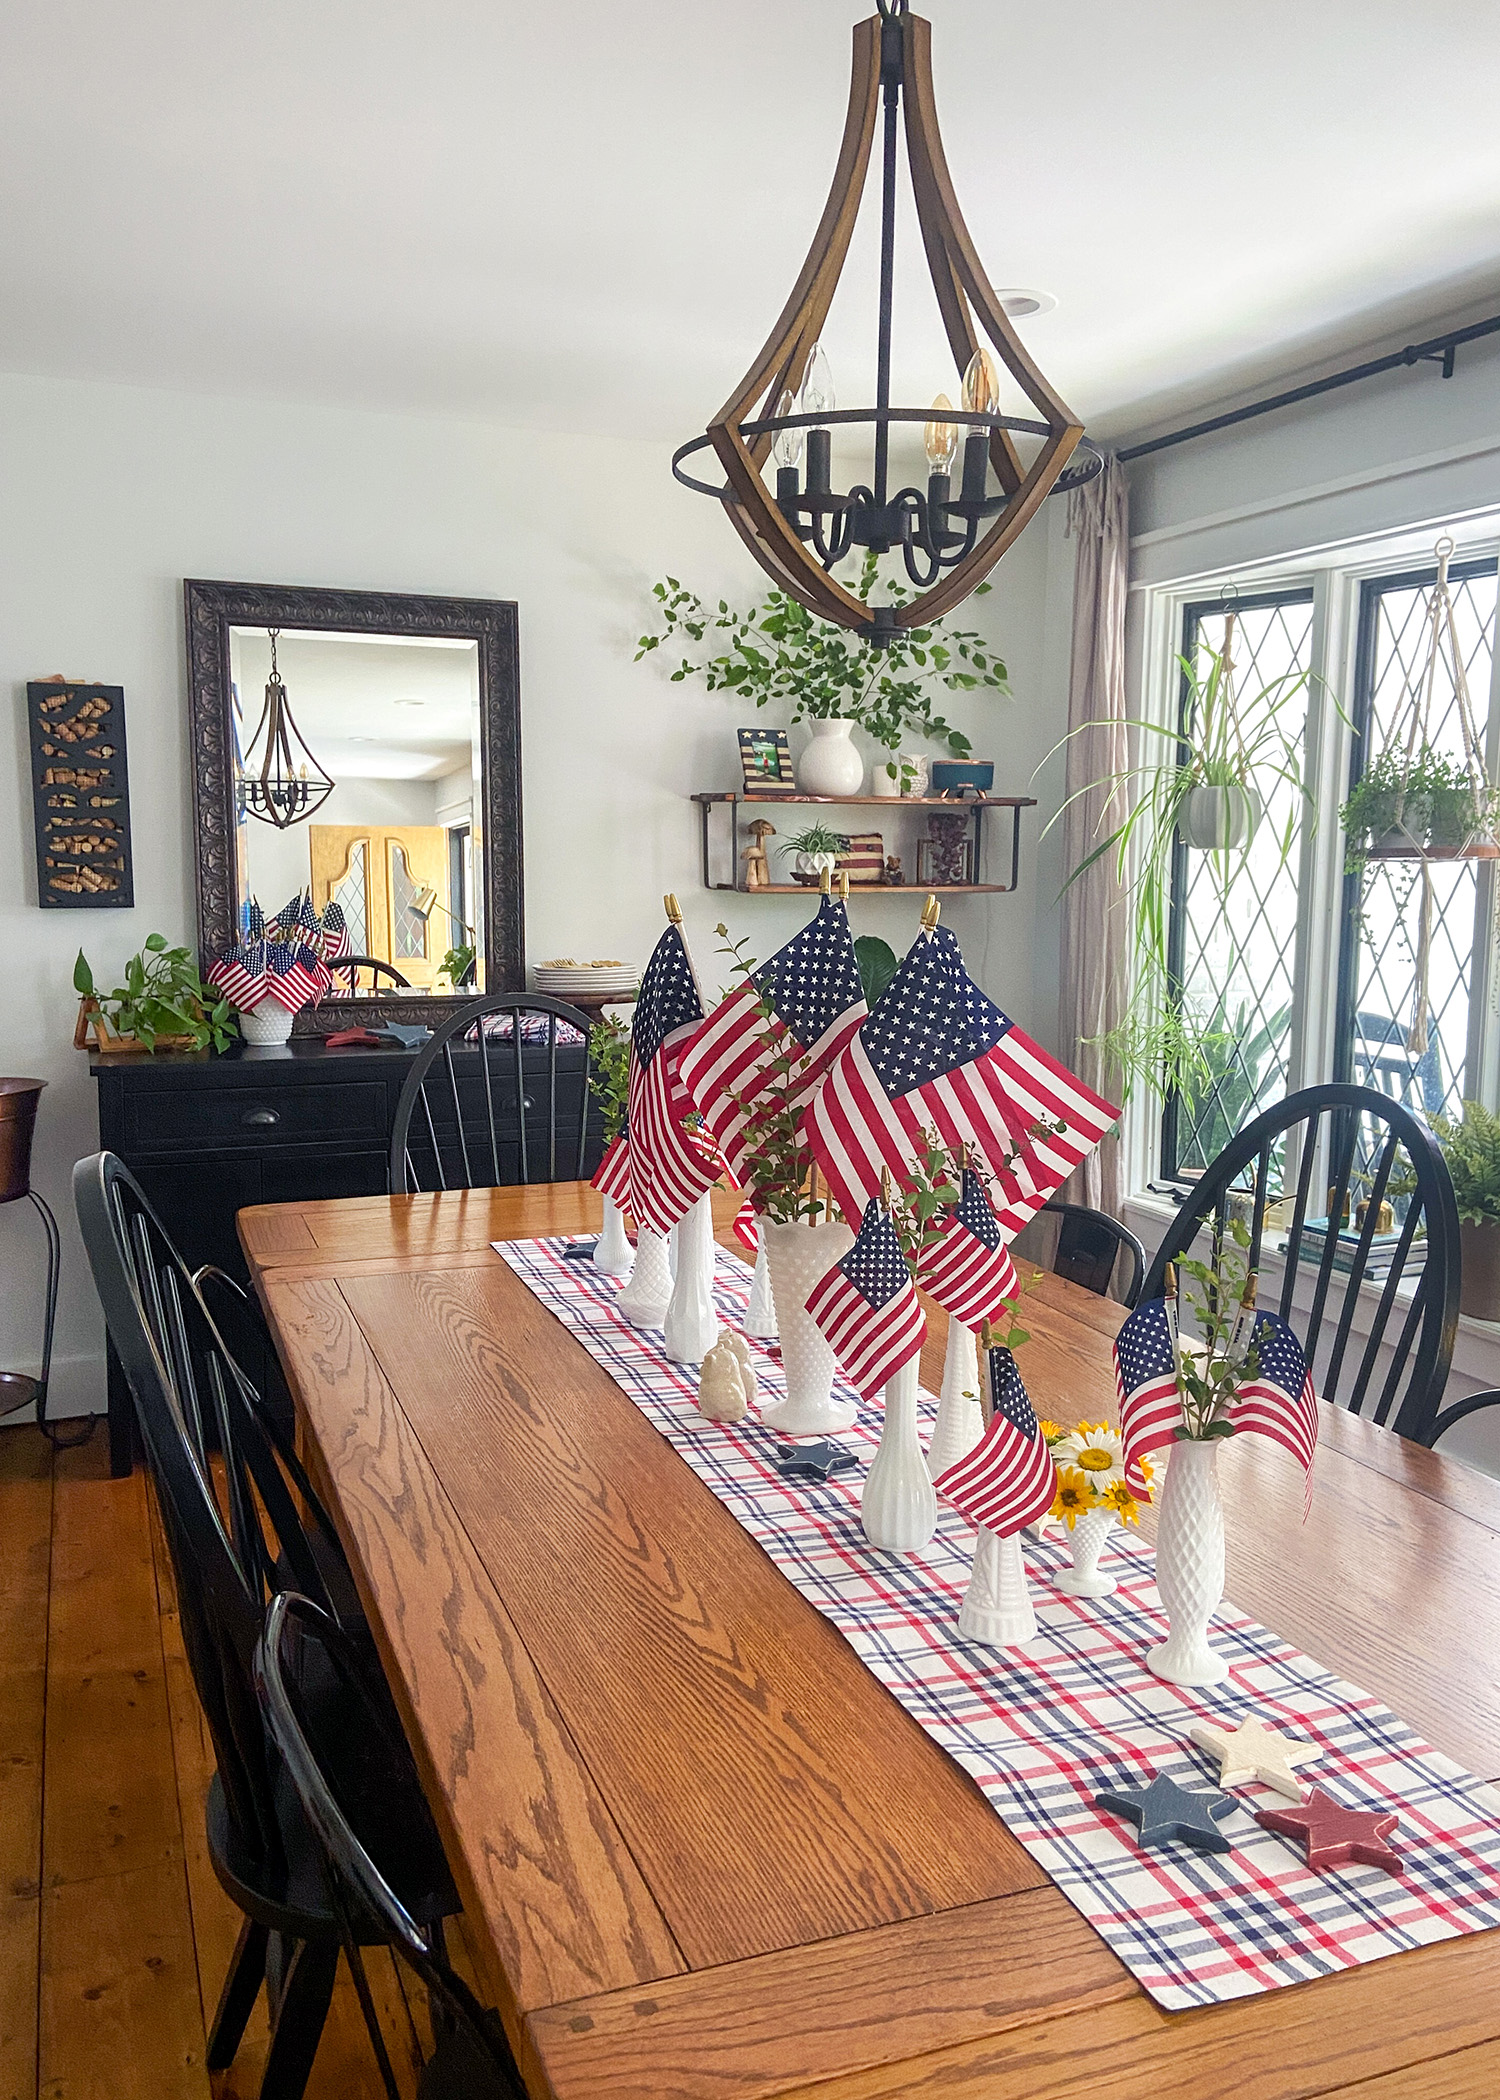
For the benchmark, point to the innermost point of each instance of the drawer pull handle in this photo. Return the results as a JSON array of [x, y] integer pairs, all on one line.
[[260, 1118]]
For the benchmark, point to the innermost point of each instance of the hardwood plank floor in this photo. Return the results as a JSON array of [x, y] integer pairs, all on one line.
[[114, 1934]]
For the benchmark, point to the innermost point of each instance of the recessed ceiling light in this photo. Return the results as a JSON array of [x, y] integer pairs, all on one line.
[[1021, 302], [411, 703]]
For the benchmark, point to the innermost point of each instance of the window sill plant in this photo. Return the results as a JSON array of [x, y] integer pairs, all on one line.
[[162, 1005], [1472, 1151]]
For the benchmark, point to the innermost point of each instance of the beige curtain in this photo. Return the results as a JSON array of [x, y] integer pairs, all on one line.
[[1095, 935]]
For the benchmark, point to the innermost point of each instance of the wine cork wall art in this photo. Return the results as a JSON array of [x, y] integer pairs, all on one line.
[[81, 795]]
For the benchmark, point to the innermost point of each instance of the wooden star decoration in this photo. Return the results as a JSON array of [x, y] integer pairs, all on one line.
[[1254, 1752], [817, 1461], [1165, 1813], [1334, 1836]]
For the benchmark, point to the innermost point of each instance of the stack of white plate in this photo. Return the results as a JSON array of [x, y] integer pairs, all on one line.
[[563, 979]]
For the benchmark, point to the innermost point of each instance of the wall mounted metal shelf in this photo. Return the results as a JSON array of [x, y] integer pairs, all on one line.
[[973, 807]]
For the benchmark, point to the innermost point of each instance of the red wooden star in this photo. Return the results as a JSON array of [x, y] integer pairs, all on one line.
[[1335, 1836]]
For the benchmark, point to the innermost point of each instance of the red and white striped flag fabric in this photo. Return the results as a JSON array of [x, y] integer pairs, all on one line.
[[967, 1268], [670, 1167], [294, 975], [1145, 1354], [1009, 1479], [936, 1053], [612, 1175], [244, 986], [866, 1308], [333, 932], [818, 1002], [746, 1227], [1279, 1401]]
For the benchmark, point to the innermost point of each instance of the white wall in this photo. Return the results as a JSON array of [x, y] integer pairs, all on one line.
[[113, 495]]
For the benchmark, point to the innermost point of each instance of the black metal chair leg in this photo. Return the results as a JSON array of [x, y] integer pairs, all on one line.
[[305, 1997], [247, 1970]]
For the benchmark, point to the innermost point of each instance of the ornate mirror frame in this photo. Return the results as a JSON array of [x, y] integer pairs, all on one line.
[[212, 609]]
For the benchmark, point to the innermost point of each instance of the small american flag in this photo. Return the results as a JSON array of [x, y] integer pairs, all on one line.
[[746, 1227], [333, 932], [288, 920], [967, 1269], [1145, 1355], [295, 975], [612, 1175], [669, 1168], [1008, 1480], [936, 1051], [1279, 1401], [230, 976], [866, 1309], [818, 1003]]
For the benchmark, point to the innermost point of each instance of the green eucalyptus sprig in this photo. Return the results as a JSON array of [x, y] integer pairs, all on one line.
[[609, 1072], [1212, 1368], [1007, 1332]]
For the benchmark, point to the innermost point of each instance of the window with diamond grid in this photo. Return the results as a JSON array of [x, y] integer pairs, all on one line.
[[1232, 947], [1410, 1037]]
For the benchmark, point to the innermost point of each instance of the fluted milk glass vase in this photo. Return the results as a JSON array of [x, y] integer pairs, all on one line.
[[1190, 1564]]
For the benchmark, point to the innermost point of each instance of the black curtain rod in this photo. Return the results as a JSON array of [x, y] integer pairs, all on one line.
[[1440, 350]]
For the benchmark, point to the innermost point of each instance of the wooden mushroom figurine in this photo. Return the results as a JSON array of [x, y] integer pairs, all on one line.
[[757, 866], [721, 1388]]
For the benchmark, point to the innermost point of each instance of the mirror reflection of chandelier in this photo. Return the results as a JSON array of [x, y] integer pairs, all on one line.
[[281, 782], [949, 539]]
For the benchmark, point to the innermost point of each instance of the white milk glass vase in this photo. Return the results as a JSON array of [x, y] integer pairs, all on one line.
[[760, 1313], [1086, 1542], [612, 1255], [830, 765], [899, 1504], [960, 1418], [1190, 1564], [644, 1299], [797, 1256], [691, 1325], [270, 1022], [997, 1604]]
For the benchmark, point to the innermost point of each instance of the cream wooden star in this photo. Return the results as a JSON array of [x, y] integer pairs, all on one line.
[[1253, 1751]]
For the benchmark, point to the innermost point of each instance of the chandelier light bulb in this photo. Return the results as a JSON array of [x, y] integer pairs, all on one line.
[[982, 385], [940, 436], [818, 397], [787, 444]]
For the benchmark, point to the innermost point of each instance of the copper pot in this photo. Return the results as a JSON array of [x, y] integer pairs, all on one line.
[[18, 1100]]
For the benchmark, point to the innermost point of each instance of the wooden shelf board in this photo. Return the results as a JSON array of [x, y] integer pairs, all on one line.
[[880, 801], [1486, 852], [873, 889]]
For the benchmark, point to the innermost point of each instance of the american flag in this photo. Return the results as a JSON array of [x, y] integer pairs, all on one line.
[[1279, 1401], [866, 1308], [1008, 1480], [612, 1175], [241, 977], [333, 932], [814, 988], [288, 921], [669, 1168], [295, 975], [967, 1268], [746, 1227], [936, 1051], [1145, 1355]]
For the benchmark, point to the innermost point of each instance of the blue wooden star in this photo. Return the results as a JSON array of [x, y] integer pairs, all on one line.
[[817, 1461], [1165, 1813]]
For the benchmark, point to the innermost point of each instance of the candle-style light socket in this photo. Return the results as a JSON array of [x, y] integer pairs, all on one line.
[[976, 463], [788, 488], [819, 462]]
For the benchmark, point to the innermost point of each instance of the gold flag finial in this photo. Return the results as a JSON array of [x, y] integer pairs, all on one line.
[[672, 908], [843, 885], [825, 879], [930, 912]]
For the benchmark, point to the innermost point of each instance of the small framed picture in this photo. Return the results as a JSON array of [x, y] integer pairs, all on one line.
[[766, 762]]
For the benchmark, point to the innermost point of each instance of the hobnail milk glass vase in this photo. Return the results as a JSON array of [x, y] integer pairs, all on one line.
[[691, 1325], [960, 1418], [1086, 1541], [644, 1299], [997, 1604], [269, 1022], [760, 1313], [1190, 1564], [898, 1505], [798, 1255], [612, 1250]]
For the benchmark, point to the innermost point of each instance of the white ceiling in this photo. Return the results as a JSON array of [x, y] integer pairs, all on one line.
[[371, 707], [586, 215]]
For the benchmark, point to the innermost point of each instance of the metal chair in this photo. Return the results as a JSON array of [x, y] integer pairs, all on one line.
[[235, 1538], [494, 1112], [1089, 1244], [471, 2059], [1447, 1416], [378, 969], [1344, 1141], [1414, 1079]]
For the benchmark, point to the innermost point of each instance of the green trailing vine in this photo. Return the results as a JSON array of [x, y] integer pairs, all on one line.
[[609, 1072]]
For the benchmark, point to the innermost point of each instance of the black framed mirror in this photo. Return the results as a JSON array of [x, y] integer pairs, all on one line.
[[394, 788]]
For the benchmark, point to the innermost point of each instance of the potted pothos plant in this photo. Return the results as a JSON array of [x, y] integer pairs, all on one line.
[[1471, 1148], [162, 1005]]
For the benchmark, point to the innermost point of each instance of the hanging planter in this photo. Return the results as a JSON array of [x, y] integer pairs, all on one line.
[[1219, 819]]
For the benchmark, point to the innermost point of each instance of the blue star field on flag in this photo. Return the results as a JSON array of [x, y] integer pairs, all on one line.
[[866, 1308]]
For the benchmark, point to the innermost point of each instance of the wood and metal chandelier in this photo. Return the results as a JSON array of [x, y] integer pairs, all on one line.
[[280, 781], [799, 532]]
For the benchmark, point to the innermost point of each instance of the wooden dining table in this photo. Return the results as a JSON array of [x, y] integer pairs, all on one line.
[[703, 1854]]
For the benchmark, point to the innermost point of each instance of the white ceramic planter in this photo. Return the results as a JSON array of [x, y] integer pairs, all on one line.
[[644, 1299], [267, 1023], [830, 765], [612, 1253], [1086, 1541], [1217, 819], [898, 1505], [797, 1256], [691, 1325], [997, 1604], [760, 1313], [960, 1417], [1190, 1564]]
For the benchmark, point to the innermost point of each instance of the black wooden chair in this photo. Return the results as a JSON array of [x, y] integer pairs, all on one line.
[[349, 967], [498, 1096], [1089, 1246], [471, 2058], [235, 1538], [1342, 1143]]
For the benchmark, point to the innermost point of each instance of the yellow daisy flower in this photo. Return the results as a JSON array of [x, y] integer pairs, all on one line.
[[1094, 1449], [1075, 1495], [1118, 1497], [1051, 1431]]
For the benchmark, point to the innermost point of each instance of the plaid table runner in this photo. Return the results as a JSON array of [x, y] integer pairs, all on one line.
[[1042, 1730]]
